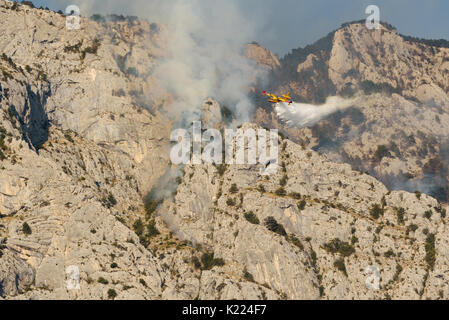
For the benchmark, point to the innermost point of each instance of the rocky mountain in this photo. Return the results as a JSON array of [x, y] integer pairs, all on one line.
[[78, 152], [86, 183], [311, 230], [398, 132]]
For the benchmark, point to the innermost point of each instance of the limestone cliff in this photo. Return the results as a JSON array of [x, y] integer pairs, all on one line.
[[84, 138]]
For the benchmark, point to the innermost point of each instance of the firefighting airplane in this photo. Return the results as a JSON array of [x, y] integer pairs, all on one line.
[[275, 99]]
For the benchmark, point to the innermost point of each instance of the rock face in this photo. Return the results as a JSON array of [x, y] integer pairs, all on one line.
[[77, 155], [211, 116], [335, 224], [85, 83], [84, 138], [262, 56]]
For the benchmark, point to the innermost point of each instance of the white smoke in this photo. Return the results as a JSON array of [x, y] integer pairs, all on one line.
[[206, 56], [302, 115], [205, 51]]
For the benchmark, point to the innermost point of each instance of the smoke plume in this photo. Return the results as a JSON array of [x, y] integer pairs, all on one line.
[[205, 51], [205, 57]]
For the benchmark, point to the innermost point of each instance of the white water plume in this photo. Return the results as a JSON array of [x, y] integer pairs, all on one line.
[[302, 115]]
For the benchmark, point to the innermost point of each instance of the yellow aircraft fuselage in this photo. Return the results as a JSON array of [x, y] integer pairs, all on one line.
[[275, 99]]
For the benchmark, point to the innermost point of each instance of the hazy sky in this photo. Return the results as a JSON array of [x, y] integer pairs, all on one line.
[[282, 25]]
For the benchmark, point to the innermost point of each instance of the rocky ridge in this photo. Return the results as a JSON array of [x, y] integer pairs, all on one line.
[[83, 138], [398, 133]]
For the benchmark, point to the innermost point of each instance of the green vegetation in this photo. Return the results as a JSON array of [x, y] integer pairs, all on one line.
[[389, 254], [441, 211], [369, 87], [93, 49], [226, 113], [428, 214], [103, 281], [247, 276], [151, 203], [2, 244], [142, 282], [378, 229], [398, 272], [340, 265], [118, 93], [98, 18], [132, 71], [42, 76], [376, 211], [230, 202], [294, 240], [73, 48], [347, 91], [283, 181], [281, 192], [9, 60], [321, 291], [196, 263], [221, 169], [283, 148], [112, 294], [251, 217], [302, 204], [109, 201], [233, 189], [381, 152], [139, 228], [121, 18], [338, 246], [275, 227], [152, 231], [3, 146], [207, 262], [411, 228], [26, 229], [295, 195], [400, 212], [430, 251], [439, 43]]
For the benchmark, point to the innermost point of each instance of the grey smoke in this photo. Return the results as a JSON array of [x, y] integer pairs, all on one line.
[[205, 51], [205, 57]]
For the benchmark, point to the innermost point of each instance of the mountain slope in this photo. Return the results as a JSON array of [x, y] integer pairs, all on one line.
[[84, 137], [328, 224], [398, 130]]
